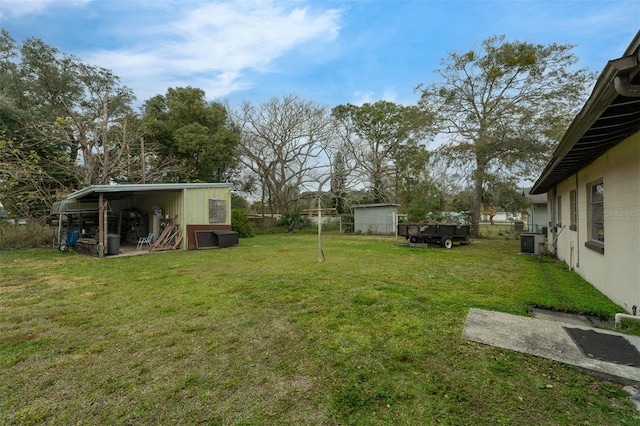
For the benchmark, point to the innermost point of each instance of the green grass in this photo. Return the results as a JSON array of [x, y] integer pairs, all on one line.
[[263, 333]]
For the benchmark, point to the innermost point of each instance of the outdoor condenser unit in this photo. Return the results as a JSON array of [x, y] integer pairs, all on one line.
[[532, 243]]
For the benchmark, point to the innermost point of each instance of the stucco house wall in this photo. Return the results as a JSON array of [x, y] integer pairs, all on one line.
[[616, 272], [593, 184]]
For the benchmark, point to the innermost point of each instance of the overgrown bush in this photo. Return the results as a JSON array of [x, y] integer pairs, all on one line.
[[241, 224], [30, 235], [294, 221]]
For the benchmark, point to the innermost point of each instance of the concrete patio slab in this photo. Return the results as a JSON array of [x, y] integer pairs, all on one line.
[[546, 339]]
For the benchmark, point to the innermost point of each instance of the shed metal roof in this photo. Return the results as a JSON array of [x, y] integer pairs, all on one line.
[[536, 198], [365, 206], [606, 119], [118, 191]]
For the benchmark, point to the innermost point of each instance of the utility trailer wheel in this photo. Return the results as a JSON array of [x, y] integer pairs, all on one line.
[[446, 243]]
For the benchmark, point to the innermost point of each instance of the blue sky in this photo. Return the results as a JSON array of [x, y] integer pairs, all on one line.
[[331, 51]]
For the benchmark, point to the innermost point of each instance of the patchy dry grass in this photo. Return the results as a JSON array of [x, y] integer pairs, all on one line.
[[32, 234], [265, 334]]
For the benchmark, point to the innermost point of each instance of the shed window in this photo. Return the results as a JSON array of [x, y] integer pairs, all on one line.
[[217, 211]]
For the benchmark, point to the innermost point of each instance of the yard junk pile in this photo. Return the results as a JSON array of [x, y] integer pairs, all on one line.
[[170, 238], [423, 235], [72, 239]]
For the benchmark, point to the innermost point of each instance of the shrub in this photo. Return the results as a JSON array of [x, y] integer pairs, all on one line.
[[293, 221], [29, 235], [241, 224]]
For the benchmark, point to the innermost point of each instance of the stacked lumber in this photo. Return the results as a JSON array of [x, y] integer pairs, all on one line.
[[170, 238]]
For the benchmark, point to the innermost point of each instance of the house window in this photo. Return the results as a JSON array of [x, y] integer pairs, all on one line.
[[595, 216], [559, 207], [573, 211]]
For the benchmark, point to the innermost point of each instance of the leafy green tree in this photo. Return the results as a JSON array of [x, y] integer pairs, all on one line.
[[461, 202], [181, 125], [74, 102], [424, 201], [239, 202], [500, 194], [57, 115], [500, 109], [338, 191], [30, 175], [417, 192], [376, 136]]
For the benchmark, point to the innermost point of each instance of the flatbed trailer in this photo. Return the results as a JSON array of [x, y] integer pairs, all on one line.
[[435, 234]]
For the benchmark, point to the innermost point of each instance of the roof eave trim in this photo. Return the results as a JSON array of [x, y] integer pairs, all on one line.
[[142, 187], [601, 97]]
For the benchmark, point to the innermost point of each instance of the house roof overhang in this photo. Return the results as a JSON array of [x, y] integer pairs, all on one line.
[[122, 191], [607, 118]]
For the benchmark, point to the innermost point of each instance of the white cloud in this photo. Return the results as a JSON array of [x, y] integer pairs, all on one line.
[[389, 95], [16, 8], [360, 98], [215, 45]]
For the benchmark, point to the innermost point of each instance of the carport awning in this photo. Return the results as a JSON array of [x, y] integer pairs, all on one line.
[[122, 191], [75, 206]]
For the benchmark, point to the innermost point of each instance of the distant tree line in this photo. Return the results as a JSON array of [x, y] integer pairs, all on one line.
[[492, 119]]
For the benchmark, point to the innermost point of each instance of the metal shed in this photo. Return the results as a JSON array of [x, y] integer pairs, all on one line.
[[380, 218], [537, 212], [134, 211]]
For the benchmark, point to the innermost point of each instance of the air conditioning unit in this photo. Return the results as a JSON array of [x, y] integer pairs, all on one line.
[[532, 243]]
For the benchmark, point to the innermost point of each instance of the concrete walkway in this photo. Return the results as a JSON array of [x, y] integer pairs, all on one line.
[[545, 338]]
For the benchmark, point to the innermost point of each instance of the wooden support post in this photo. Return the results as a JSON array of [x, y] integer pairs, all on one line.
[[101, 227], [320, 253]]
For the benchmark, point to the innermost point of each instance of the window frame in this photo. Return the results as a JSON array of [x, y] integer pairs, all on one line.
[[559, 211], [573, 210], [595, 216]]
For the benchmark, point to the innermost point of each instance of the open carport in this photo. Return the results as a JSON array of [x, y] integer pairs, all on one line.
[[102, 218]]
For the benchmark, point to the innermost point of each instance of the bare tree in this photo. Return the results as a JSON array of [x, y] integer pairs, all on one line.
[[284, 143]]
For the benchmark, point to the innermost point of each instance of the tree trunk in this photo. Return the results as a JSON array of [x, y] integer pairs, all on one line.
[[476, 208], [105, 146]]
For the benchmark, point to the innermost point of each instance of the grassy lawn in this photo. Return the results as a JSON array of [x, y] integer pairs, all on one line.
[[264, 334]]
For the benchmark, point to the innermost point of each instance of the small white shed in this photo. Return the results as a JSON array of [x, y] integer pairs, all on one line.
[[537, 212], [380, 218]]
